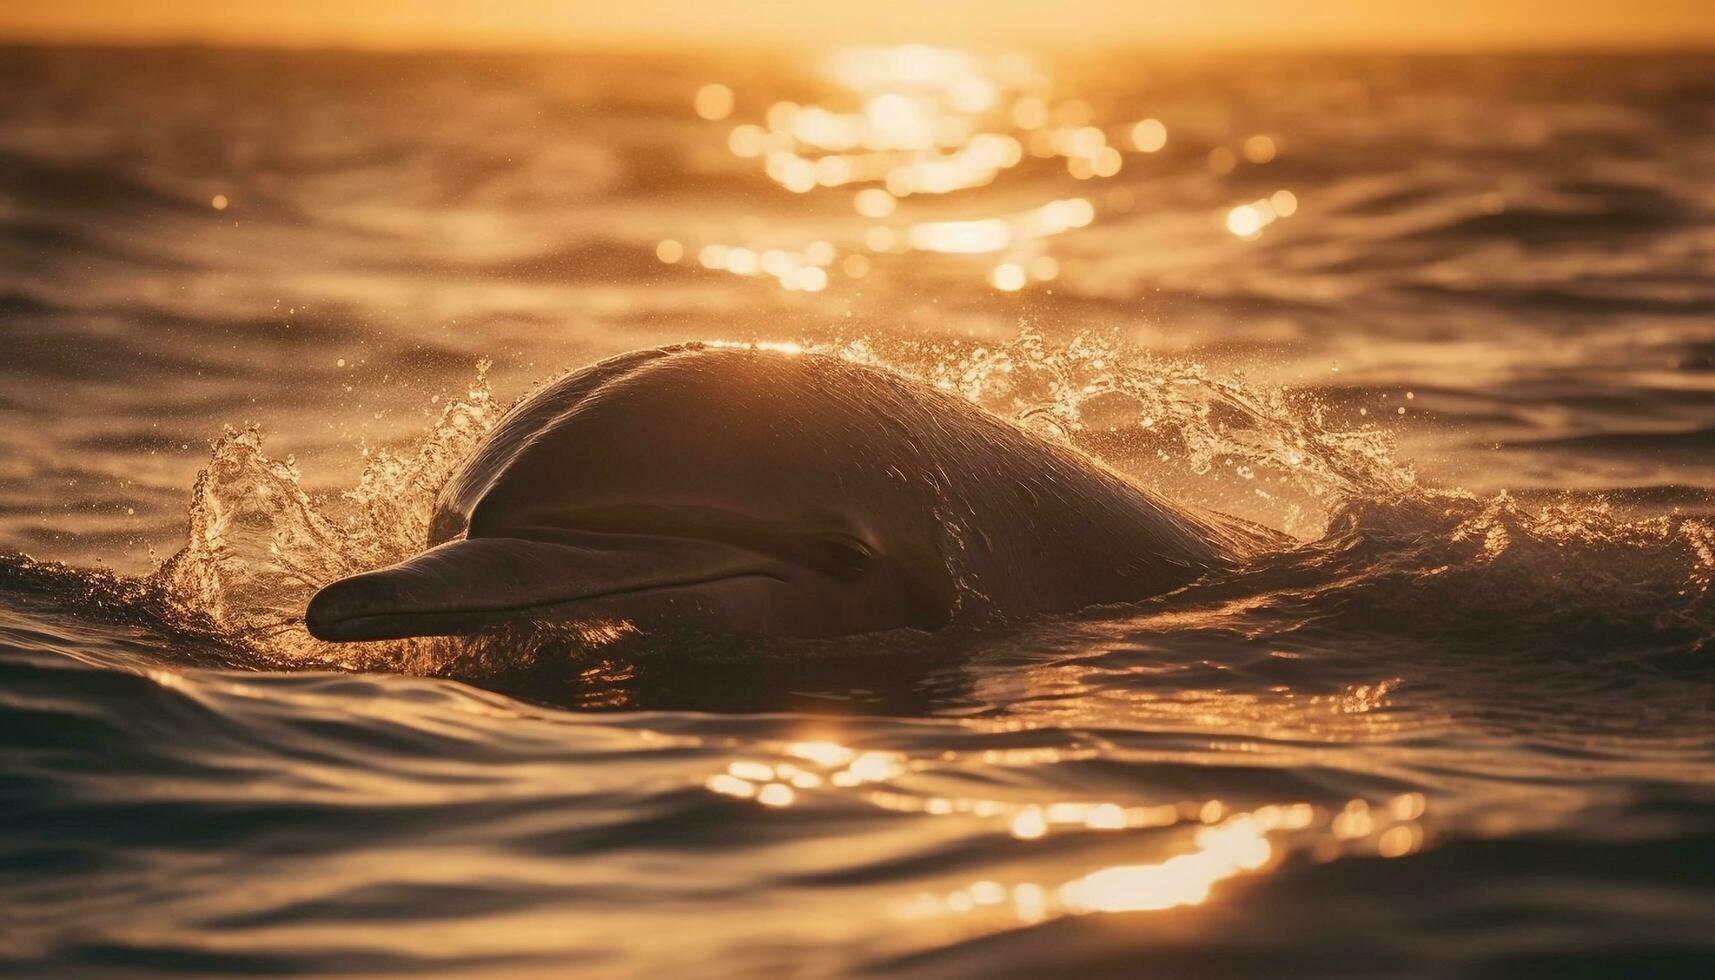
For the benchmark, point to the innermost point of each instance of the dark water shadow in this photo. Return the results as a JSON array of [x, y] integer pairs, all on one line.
[[901, 672]]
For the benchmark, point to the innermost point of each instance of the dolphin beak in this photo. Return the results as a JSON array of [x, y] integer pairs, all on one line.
[[461, 587]]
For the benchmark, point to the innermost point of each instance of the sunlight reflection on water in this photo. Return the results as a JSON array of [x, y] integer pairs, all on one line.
[[1215, 844], [915, 120]]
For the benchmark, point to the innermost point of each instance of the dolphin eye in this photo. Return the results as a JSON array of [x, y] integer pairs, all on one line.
[[838, 555]]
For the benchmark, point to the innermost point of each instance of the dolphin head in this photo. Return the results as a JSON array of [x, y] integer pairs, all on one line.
[[729, 489]]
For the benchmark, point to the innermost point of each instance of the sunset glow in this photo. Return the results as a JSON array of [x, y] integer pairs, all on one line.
[[535, 23]]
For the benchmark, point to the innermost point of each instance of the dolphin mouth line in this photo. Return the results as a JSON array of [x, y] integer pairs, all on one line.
[[348, 628], [827, 550]]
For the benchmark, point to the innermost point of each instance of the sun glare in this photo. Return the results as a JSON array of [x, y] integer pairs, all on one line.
[[1219, 843], [920, 122]]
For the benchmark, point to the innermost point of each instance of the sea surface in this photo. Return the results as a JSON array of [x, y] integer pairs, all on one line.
[[1448, 322]]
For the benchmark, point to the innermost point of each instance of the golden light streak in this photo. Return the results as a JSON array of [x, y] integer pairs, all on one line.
[[961, 237], [1259, 149], [1007, 277], [1217, 842], [1222, 852], [1248, 220], [776, 794], [713, 101], [1029, 824], [509, 24], [873, 202], [1149, 136]]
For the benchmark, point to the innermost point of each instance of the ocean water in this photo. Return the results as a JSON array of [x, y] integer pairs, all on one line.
[[1448, 322]]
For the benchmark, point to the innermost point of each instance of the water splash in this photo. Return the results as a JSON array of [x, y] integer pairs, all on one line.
[[1381, 550], [259, 544], [1573, 577], [1266, 453]]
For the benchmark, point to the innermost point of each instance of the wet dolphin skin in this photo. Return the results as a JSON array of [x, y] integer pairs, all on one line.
[[750, 490]]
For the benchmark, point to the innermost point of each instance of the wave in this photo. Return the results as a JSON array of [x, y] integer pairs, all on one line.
[[1561, 580]]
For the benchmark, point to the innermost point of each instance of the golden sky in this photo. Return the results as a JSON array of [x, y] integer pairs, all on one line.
[[535, 23]]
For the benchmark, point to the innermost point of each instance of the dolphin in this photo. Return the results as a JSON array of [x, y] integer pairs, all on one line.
[[745, 490]]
